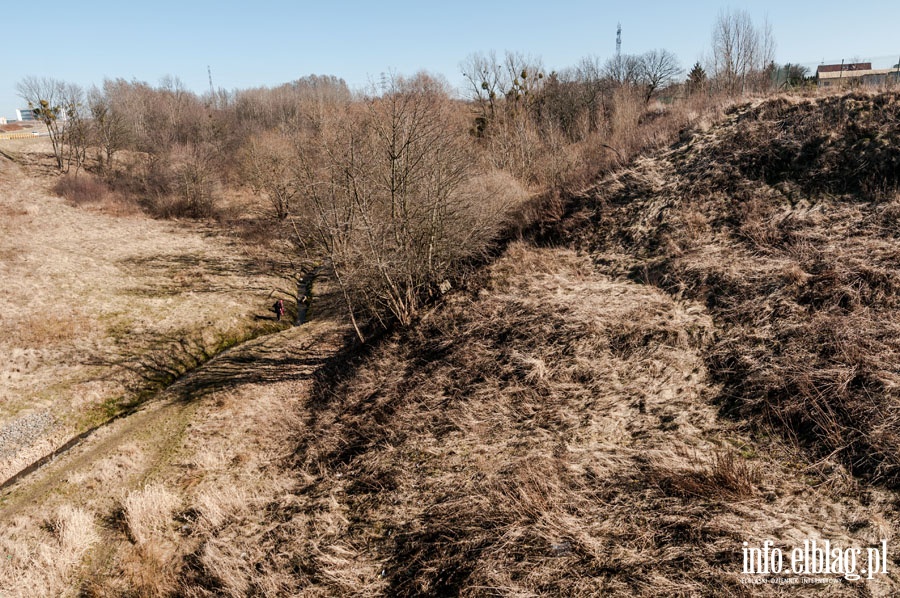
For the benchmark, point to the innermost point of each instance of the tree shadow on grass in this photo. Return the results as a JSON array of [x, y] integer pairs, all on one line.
[[258, 363]]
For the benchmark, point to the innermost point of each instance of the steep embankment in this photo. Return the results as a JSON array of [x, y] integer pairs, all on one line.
[[783, 222]]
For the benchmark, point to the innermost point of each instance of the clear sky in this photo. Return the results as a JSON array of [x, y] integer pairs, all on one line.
[[249, 44]]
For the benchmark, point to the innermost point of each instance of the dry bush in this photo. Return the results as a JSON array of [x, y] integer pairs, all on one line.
[[81, 189], [195, 182], [627, 108], [267, 163], [87, 190], [182, 184]]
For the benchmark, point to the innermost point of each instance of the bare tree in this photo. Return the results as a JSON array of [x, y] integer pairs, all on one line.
[[741, 51], [60, 107], [502, 89], [657, 69], [589, 73], [45, 97], [385, 189], [268, 164], [525, 74], [76, 133], [110, 129], [487, 83], [623, 69]]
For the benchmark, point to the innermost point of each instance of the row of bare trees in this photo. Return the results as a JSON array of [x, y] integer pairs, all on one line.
[[394, 187], [386, 186]]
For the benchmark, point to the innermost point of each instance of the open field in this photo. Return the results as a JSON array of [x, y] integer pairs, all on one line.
[[89, 297]]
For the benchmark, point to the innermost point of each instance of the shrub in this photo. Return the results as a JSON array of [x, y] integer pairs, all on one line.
[[81, 189]]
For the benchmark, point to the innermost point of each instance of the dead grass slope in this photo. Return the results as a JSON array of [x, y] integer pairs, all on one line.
[[550, 435], [783, 221]]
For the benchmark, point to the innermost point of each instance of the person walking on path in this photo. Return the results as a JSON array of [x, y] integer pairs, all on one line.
[[279, 309]]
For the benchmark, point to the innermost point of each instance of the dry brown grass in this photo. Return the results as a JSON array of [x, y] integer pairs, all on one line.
[[727, 475], [46, 329], [796, 262], [46, 561], [87, 296], [547, 435], [553, 431], [148, 513], [633, 128], [148, 516]]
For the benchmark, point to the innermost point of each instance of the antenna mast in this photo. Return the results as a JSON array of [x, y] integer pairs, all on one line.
[[212, 90], [618, 40]]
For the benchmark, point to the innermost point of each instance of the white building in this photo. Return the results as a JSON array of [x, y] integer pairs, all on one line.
[[22, 115]]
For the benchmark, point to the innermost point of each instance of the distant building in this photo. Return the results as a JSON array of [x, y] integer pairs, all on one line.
[[854, 73], [850, 66], [2, 120], [27, 114]]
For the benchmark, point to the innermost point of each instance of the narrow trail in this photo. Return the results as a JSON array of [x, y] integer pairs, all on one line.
[[159, 426], [235, 365]]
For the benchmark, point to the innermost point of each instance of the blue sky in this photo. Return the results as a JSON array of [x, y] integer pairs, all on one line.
[[267, 43]]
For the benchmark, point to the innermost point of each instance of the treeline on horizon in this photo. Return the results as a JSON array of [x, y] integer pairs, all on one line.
[[398, 186]]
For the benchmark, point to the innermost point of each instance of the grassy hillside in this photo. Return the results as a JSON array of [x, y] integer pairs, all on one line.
[[99, 306], [699, 353], [783, 222], [714, 367], [96, 305], [553, 433]]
